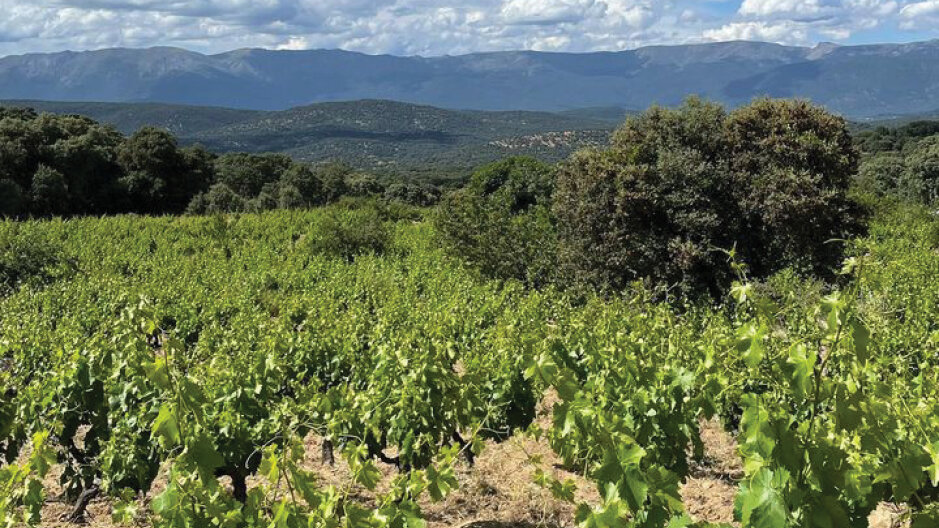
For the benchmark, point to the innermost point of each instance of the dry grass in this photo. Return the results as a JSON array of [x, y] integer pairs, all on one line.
[[499, 491]]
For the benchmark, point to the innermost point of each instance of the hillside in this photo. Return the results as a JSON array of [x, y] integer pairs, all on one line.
[[859, 81], [182, 120], [370, 134]]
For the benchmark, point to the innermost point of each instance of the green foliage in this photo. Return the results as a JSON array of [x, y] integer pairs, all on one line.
[[920, 181], [70, 165], [49, 192], [213, 346], [887, 139], [501, 222], [12, 199], [25, 256], [679, 187], [347, 233], [418, 195]]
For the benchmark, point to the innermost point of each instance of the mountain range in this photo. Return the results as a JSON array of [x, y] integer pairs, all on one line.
[[857, 81]]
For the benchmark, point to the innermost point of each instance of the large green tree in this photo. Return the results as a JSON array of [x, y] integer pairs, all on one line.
[[680, 188]]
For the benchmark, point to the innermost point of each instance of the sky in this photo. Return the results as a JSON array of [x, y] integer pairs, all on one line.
[[442, 27]]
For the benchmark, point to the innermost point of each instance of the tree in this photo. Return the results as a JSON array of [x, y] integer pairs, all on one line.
[[882, 173], [153, 165], [49, 194], [678, 187], [247, 174], [334, 177], [793, 164], [302, 182], [220, 198], [12, 199], [414, 194], [501, 222], [363, 184], [655, 206], [920, 180]]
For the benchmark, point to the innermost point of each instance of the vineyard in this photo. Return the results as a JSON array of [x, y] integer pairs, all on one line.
[[189, 371]]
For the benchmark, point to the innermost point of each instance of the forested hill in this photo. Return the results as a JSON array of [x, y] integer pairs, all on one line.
[[368, 134], [857, 81]]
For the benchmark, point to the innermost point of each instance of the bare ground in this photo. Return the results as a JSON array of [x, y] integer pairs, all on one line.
[[499, 490]]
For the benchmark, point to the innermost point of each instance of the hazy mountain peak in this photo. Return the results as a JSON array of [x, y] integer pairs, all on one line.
[[855, 80]]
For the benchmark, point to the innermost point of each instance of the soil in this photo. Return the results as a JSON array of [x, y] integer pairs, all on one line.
[[498, 491]]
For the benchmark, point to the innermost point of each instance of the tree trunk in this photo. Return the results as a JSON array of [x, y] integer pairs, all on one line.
[[328, 456], [77, 515]]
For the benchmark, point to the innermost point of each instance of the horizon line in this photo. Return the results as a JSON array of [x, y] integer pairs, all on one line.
[[494, 52]]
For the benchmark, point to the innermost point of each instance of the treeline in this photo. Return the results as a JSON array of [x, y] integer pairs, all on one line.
[[902, 162], [687, 200], [54, 165]]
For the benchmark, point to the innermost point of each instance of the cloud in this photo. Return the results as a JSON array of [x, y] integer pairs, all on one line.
[[436, 27], [806, 21], [917, 15], [782, 32]]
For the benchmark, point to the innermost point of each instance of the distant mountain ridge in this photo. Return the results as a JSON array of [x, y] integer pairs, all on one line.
[[858, 81]]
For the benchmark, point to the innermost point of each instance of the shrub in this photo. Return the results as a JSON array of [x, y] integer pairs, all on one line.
[[346, 233], [920, 180], [680, 187], [220, 198], [364, 185], [301, 187], [25, 257], [413, 194], [881, 174], [501, 223], [793, 164], [49, 192], [12, 199]]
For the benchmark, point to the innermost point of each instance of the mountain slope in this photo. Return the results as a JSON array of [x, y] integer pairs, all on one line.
[[371, 134], [181, 120], [375, 133], [859, 81]]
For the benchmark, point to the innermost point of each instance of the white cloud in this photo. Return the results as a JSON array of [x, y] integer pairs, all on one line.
[[779, 7], [917, 15], [434, 27], [782, 32]]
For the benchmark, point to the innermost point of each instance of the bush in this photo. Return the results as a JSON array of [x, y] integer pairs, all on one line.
[[681, 187], [920, 180], [881, 174], [793, 164], [413, 194], [501, 223], [220, 198], [49, 192], [25, 257], [12, 199], [346, 233]]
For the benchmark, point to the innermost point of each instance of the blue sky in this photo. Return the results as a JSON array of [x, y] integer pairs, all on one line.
[[438, 27]]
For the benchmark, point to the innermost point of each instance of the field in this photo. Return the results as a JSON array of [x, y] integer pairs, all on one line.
[[205, 371]]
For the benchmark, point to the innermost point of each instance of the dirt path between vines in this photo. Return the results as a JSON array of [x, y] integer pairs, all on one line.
[[499, 491]]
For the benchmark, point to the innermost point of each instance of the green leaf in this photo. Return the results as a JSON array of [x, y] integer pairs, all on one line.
[[43, 457], [270, 465], [440, 482], [933, 469], [802, 365], [750, 344], [204, 454], [166, 426], [158, 374], [760, 502], [861, 337], [368, 475], [167, 501]]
